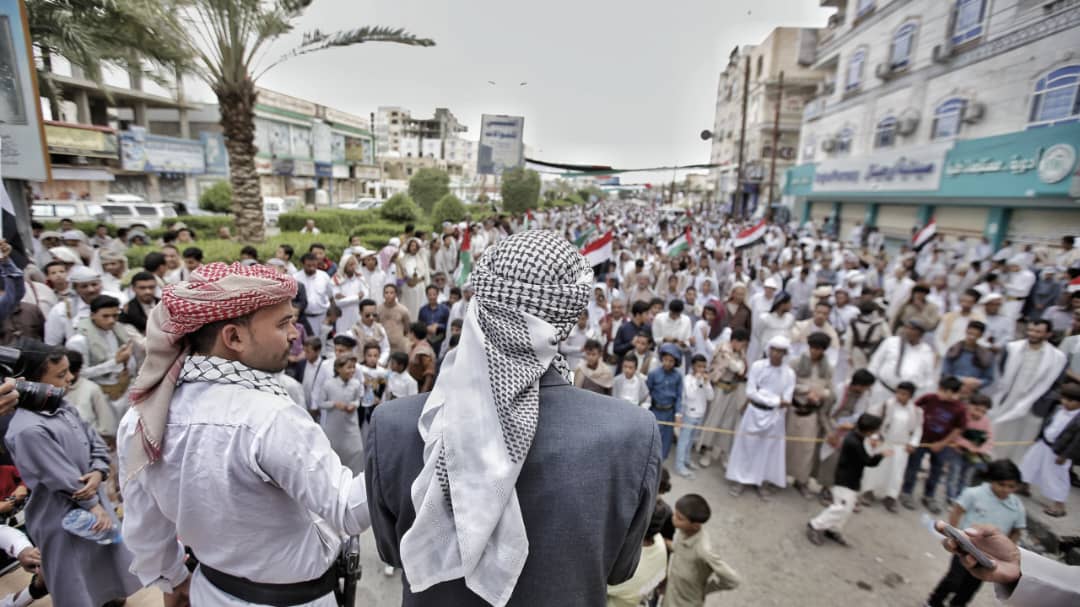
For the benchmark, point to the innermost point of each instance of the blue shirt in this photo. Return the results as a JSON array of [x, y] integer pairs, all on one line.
[[964, 365], [14, 287], [439, 315], [981, 506], [665, 389]]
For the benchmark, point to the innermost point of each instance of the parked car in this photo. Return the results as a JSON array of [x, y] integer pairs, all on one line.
[[75, 210], [130, 211], [190, 208]]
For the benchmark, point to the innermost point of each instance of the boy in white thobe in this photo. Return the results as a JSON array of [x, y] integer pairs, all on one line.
[[1048, 461], [757, 456]]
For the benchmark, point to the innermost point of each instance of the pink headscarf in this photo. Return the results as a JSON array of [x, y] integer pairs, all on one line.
[[215, 292]]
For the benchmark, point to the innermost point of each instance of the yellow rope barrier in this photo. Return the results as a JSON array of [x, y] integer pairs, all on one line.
[[799, 439]]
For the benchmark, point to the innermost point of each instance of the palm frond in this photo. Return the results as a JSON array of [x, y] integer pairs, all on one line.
[[317, 40]]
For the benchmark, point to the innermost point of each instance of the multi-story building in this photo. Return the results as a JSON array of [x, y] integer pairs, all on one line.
[[964, 111], [406, 144], [787, 51]]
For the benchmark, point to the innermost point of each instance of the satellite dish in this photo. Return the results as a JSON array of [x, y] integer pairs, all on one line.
[[706, 135]]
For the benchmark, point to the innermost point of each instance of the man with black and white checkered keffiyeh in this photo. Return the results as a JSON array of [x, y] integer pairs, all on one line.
[[479, 421]]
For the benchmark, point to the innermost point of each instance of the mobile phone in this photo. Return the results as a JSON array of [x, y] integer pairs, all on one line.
[[965, 546]]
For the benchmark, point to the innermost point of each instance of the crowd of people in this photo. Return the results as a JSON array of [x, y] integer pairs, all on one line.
[[838, 364]]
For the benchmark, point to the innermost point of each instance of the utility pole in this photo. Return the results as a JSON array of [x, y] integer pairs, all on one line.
[[737, 204], [775, 139]]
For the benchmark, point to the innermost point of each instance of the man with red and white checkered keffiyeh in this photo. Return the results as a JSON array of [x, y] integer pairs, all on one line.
[[214, 452]]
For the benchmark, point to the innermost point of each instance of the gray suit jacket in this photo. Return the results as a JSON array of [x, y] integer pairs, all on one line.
[[587, 490]]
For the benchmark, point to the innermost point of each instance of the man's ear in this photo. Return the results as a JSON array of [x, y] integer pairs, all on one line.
[[233, 337]]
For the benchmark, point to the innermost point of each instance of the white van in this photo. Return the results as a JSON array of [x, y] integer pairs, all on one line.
[[75, 210], [129, 211]]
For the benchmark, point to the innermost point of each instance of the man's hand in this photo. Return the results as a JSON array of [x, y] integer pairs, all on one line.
[[1060, 460], [5, 249], [30, 559], [996, 545], [8, 396], [89, 489], [909, 448], [678, 420], [124, 353], [937, 447], [104, 523], [340, 406], [180, 596]]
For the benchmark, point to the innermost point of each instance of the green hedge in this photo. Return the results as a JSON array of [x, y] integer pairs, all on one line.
[[204, 225], [229, 250], [337, 221]]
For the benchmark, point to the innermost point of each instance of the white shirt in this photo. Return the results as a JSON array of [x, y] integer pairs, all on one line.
[[696, 396], [106, 373], [917, 365], [314, 373], [399, 385], [633, 390], [666, 327], [375, 333], [375, 280], [250, 482], [319, 291], [768, 385], [58, 327]]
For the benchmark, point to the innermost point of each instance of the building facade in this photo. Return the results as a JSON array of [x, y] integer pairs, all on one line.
[[406, 144], [787, 51], [963, 111]]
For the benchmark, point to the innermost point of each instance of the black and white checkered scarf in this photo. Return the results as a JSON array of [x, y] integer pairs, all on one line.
[[217, 370], [479, 421]]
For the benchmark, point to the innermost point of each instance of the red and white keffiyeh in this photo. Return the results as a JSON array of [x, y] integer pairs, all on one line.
[[215, 292]]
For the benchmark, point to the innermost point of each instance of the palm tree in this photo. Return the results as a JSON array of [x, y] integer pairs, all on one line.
[[229, 38], [93, 34]]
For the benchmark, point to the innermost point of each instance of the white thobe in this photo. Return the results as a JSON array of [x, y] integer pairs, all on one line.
[[249, 482], [319, 291], [343, 428], [767, 326], [1039, 466], [916, 365], [13, 542], [758, 453], [1000, 330], [314, 374], [1017, 287], [1028, 374], [375, 280], [58, 327], [351, 290], [675, 329], [901, 427]]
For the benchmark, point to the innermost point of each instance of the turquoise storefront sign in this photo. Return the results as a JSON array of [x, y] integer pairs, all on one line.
[[1042, 163]]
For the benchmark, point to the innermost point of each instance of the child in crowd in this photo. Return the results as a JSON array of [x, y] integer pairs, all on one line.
[[630, 385], [695, 569], [316, 369], [901, 431], [971, 450], [944, 419], [855, 457], [399, 383], [326, 332], [593, 374], [91, 403], [1047, 462], [650, 572], [991, 503], [374, 379], [642, 352], [344, 345], [666, 391], [340, 398], [697, 392], [295, 369]]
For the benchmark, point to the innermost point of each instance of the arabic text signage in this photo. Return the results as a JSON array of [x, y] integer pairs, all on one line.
[[916, 169], [1034, 163], [141, 151], [78, 141], [501, 144]]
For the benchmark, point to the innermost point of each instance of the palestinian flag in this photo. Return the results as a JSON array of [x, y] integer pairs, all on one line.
[[584, 237], [464, 259], [600, 250], [680, 245], [925, 235], [751, 235]]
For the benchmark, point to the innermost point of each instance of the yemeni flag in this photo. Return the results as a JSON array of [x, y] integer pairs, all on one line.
[[925, 235], [600, 250], [464, 260], [1074, 285], [681, 244], [751, 235], [530, 220]]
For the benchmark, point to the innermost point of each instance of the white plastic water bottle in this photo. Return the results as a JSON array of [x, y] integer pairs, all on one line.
[[81, 522]]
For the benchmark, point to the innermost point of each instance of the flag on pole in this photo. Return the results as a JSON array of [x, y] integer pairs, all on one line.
[[530, 221], [681, 244], [464, 260], [925, 235], [751, 235], [9, 230], [600, 250]]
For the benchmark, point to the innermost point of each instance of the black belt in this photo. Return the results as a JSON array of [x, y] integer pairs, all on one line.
[[659, 408], [276, 595], [761, 406]]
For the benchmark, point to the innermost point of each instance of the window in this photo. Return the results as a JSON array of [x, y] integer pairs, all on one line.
[[1057, 97], [855, 69], [117, 210], [947, 118], [843, 140], [864, 7], [146, 211], [902, 43], [42, 210], [969, 20], [760, 65], [885, 134], [65, 210]]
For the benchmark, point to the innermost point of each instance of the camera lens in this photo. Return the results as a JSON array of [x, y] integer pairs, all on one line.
[[36, 396]]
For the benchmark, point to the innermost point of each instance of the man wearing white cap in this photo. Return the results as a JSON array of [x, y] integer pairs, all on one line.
[[903, 357], [757, 456], [1000, 329], [374, 276], [761, 302], [1018, 282], [60, 324], [113, 268]]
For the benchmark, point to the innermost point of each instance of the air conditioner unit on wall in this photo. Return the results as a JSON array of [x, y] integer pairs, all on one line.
[[884, 71], [943, 52], [907, 125], [974, 113], [828, 145]]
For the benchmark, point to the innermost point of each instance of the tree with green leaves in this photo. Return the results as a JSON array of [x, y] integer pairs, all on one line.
[[400, 207], [520, 190], [217, 198], [230, 38], [449, 208], [427, 186]]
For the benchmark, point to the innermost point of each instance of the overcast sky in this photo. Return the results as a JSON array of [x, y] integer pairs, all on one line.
[[627, 83]]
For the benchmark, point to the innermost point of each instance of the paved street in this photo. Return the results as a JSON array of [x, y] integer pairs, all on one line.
[[765, 543]]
